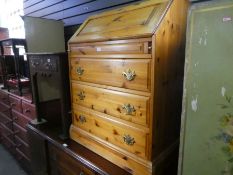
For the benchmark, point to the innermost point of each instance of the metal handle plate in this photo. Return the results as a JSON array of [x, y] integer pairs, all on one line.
[[79, 71], [129, 109], [82, 119], [129, 74], [129, 140], [81, 95]]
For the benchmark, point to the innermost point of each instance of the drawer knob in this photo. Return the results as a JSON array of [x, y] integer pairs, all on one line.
[[82, 119], [129, 109], [129, 140], [81, 95], [79, 71], [129, 74]]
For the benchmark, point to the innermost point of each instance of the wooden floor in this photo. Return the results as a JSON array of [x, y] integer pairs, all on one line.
[[8, 165]]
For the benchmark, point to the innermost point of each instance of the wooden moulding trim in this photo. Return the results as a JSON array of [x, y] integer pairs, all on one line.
[[120, 152], [136, 40], [120, 122], [122, 56], [135, 92]]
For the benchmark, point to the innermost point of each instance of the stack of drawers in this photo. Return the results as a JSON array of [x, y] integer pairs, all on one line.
[[126, 70], [111, 95], [15, 113]]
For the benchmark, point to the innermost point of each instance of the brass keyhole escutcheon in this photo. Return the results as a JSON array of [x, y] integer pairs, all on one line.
[[81, 95], [129, 140], [80, 71], [129, 74], [129, 109]]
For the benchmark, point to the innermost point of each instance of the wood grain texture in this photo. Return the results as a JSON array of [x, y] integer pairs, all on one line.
[[153, 96], [130, 22], [109, 72], [112, 102]]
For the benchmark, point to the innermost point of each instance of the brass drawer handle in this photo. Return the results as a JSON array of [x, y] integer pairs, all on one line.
[[129, 140], [27, 111], [79, 71], [13, 104], [82, 119], [129, 109], [129, 74], [81, 95]]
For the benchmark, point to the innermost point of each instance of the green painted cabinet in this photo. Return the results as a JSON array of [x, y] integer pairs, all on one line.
[[207, 119]]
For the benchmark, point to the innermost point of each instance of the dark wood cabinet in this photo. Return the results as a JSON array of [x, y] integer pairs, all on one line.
[[13, 123]]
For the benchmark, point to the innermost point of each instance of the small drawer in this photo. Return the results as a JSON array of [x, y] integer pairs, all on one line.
[[20, 132], [29, 110], [5, 110], [7, 122], [23, 147], [20, 119], [129, 107], [8, 143], [15, 103], [4, 98], [7, 132], [120, 47], [122, 135], [123, 73]]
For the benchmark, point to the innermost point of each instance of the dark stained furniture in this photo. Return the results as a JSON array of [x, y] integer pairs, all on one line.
[[53, 156]]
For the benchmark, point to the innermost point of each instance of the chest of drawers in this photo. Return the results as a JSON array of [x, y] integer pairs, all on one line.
[[126, 69], [15, 113]]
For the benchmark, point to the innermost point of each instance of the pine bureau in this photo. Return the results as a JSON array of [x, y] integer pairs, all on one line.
[[126, 69]]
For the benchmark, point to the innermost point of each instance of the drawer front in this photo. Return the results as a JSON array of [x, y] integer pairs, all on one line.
[[20, 132], [115, 133], [66, 164], [4, 98], [129, 74], [5, 110], [5, 121], [22, 147], [117, 48], [15, 103], [20, 119], [28, 110], [126, 106]]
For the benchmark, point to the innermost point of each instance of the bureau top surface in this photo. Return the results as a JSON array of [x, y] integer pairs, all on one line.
[[138, 20]]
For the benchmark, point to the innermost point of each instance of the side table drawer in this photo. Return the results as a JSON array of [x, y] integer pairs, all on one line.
[[15, 103], [28, 110]]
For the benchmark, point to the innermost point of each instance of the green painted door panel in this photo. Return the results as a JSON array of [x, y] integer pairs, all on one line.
[[207, 117]]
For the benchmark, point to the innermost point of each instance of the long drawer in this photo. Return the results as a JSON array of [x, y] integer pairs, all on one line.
[[126, 106], [124, 73], [119, 134], [113, 47]]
